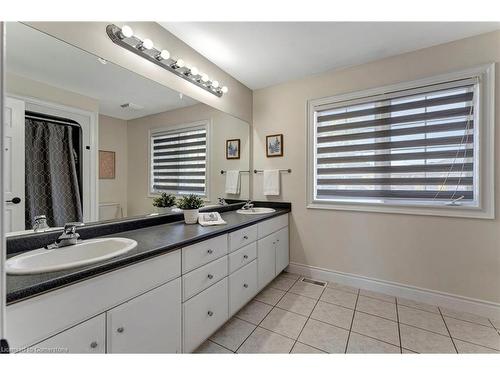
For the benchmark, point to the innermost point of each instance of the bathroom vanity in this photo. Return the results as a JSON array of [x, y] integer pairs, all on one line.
[[168, 295]]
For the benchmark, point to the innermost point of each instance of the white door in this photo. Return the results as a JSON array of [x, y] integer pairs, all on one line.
[[14, 165], [282, 251], [266, 255], [86, 337], [150, 323]]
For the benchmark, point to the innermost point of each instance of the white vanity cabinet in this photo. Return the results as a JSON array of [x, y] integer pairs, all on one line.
[[150, 323], [86, 337]]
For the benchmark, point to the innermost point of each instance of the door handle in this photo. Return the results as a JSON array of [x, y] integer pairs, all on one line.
[[14, 200]]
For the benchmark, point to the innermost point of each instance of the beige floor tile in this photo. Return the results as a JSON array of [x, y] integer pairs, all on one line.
[[254, 312], [284, 322], [377, 307], [264, 341], [297, 304], [418, 305], [342, 287], [300, 348], [466, 347], [232, 334], [282, 283], [363, 344], [333, 314], [496, 323], [290, 275], [406, 351], [473, 318], [270, 296], [422, 319], [377, 295], [421, 341], [375, 327], [307, 290], [209, 347], [473, 333], [324, 336], [339, 297]]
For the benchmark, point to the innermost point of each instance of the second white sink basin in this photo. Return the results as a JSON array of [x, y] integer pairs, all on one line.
[[256, 211], [81, 254]]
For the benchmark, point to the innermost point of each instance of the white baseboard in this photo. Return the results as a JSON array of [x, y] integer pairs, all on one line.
[[433, 297]]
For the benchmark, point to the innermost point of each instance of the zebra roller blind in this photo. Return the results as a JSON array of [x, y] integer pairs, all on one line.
[[412, 146], [179, 161]]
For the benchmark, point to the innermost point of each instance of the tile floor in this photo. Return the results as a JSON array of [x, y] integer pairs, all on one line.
[[291, 316]]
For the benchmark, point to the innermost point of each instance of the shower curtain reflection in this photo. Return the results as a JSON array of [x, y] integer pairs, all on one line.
[[52, 173]]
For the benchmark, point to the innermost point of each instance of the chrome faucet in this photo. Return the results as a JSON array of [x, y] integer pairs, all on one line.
[[222, 202], [68, 237], [248, 205]]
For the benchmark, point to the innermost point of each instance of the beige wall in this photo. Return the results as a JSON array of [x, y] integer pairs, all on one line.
[[92, 37], [113, 137], [459, 256], [223, 126]]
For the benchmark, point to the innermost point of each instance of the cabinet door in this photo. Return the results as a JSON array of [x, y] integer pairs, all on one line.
[[266, 254], [86, 337], [242, 287], [150, 323], [282, 250]]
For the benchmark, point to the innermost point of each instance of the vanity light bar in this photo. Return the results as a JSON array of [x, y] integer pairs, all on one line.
[[145, 48]]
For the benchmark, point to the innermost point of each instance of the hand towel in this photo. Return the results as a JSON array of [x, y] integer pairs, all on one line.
[[206, 219], [232, 182], [272, 182]]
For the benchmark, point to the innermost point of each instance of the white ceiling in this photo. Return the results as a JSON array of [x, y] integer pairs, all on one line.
[[43, 58], [261, 54]]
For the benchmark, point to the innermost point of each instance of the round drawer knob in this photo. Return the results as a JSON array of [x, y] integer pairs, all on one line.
[[245, 285], [93, 344], [245, 256], [120, 329], [245, 237], [210, 276], [210, 313], [210, 251]]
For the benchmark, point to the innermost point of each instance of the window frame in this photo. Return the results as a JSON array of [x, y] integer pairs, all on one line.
[[484, 143], [206, 124]]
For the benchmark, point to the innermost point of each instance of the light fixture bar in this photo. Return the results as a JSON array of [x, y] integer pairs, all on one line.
[[144, 48]]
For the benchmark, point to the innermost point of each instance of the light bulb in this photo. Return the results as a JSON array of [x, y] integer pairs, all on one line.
[[215, 84], [127, 31], [180, 63], [194, 71], [224, 89], [147, 44], [164, 54], [204, 77]]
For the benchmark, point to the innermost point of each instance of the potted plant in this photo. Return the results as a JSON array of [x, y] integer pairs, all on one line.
[[164, 203], [190, 205]]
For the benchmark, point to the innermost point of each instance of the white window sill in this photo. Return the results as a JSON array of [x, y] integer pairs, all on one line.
[[447, 211]]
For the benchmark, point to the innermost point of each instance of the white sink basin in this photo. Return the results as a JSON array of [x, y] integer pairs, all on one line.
[[82, 254], [256, 211]]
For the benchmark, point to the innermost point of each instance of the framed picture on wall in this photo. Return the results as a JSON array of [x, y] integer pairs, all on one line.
[[106, 165], [274, 145], [233, 149]]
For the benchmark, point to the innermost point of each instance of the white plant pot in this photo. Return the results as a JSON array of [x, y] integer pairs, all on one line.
[[164, 210], [191, 216]]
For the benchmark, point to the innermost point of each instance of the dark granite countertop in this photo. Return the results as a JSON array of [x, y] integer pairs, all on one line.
[[151, 241]]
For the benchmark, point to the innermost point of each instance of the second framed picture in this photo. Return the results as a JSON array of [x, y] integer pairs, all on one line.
[[232, 149], [274, 145]]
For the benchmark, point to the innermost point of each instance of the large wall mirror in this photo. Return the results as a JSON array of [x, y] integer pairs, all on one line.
[[87, 140]]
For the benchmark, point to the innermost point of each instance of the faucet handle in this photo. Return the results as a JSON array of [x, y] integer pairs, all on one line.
[[70, 228]]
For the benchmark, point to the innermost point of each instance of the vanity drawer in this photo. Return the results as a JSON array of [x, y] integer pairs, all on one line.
[[204, 314], [242, 287], [202, 253], [242, 257], [265, 228], [242, 237], [203, 277]]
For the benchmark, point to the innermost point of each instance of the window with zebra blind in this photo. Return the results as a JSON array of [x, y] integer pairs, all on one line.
[[415, 145], [179, 159]]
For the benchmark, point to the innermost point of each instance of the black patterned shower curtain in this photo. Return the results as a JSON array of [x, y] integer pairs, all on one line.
[[52, 187]]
